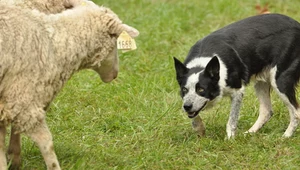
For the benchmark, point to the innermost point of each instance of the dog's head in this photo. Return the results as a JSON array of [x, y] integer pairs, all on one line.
[[199, 87]]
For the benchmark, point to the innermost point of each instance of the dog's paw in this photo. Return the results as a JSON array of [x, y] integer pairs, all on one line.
[[198, 126], [230, 135], [200, 133], [249, 132]]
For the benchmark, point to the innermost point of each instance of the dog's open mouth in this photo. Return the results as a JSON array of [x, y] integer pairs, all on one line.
[[194, 114]]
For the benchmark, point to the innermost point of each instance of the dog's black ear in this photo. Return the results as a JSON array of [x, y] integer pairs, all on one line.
[[180, 68], [212, 69]]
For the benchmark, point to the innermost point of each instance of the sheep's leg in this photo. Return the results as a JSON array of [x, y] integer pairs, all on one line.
[[43, 138], [3, 163], [14, 149]]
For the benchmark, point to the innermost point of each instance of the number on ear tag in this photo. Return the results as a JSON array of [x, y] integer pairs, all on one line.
[[125, 42]]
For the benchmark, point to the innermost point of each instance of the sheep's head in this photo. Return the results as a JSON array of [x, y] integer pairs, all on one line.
[[109, 66]]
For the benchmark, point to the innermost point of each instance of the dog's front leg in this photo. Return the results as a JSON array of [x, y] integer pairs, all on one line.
[[236, 101], [198, 126]]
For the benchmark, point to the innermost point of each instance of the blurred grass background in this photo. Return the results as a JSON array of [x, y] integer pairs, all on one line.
[[136, 122]]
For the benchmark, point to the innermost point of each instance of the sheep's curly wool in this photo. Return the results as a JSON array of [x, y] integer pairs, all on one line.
[[39, 53], [45, 6]]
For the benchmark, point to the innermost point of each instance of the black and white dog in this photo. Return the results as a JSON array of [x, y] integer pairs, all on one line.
[[264, 48]]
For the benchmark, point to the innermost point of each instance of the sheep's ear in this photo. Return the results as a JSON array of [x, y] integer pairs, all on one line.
[[116, 28], [130, 30]]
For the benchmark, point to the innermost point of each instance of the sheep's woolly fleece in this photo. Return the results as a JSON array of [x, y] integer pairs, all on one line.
[[40, 52], [45, 6]]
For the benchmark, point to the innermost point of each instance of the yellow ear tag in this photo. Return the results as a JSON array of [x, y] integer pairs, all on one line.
[[125, 42], [83, 3]]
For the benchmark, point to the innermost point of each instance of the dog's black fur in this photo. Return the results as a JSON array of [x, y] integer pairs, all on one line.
[[247, 48]]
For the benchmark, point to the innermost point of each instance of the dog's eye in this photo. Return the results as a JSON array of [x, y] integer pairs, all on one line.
[[184, 90], [200, 90]]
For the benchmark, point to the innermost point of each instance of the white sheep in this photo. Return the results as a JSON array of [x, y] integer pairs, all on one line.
[[39, 53], [48, 7]]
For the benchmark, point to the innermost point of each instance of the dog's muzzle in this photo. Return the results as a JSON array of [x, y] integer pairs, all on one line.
[[188, 108]]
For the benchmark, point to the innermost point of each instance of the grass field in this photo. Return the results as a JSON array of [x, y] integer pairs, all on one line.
[[136, 122]]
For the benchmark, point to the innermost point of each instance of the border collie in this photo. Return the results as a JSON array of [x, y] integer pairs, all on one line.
[[263, 48]]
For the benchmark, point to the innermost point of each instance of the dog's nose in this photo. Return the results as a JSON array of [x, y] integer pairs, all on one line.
[[187, 107]]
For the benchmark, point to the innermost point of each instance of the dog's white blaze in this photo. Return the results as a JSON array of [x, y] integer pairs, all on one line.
[[192, 80], [192, 97]]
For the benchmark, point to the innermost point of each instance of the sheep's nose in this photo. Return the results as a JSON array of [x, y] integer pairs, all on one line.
[[187, 107]]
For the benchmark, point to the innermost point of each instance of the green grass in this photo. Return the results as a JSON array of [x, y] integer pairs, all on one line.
[[136, 122]]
